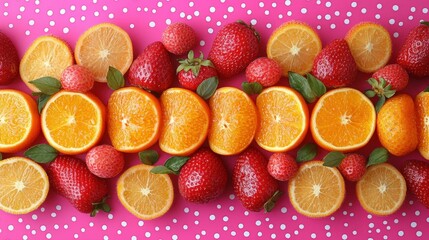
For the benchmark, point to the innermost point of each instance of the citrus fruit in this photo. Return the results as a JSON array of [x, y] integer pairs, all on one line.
[[284, 119], [102, 46], [73, 122], [396, 125], [294, 45], [47, 56], [19, 120], [24, 185], [144, 194], [185, 121], [316, 190], [234, 121], [133, 119], [343, 120], [370, 44], [422, 112], [382, 190]]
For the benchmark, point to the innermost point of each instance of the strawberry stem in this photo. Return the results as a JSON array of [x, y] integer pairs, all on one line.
[[100, 206], [271, 203]]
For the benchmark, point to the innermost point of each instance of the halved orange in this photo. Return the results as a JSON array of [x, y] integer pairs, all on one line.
[[316, 190], [104, 45], [382, 190], [47, 56], [24, 185], [294, 45], [284, 119], [19, 120], [422, 118], [133, 119], [185, 121], [234, 121], [343, 120], [73, 122], [144, 194], [370, 44]]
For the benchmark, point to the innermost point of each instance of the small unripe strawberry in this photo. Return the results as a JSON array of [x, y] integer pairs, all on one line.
[[282, 166], [76, 78], [105, 161], [179, 38]]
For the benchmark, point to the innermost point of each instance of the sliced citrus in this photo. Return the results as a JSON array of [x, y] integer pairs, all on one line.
[[144, 194], [284, 119], [102, 46], [422, 118], [343, 119], [234, 121], [73, 122], [24, 185], [19, 120], [316, 190], [370, 44], [185, 117], [294, 45], [47, 56], [382, 190]]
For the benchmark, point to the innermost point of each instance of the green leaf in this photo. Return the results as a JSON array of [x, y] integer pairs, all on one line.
[[426, 89], [333, 159], [47, 85], [149, 157], [380, 103], [425, 23], [271, 203], [251, 88], [370, 93], [1, 156], [115, 79], [307, 152], [42, 100], [176, 163], [302, 85], [316, 85], [161, 170], [207, 88], [389, 93], [41, 153], [378, 155]]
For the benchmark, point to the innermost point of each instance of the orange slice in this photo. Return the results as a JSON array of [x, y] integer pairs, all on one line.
[[185, 117], [316, 190], [144, 194], [234, 121], [24, 185], [19, 120], [371, 46], [382, 190], [294, 45], [343, 120], [47, 56], [104, 45], [422, 118], [73, 122]]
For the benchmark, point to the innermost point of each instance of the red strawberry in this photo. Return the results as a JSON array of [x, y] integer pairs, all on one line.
[[71, 178], [253, 185], [414, 54], [416, 174], [152, 69], [265, 71], [179, 38], [105, 161], [77, 78], [193, 71], [394, 75], [203, 177], [353, 167], [234, 47], [282, 166], [9, 60], [334, 65]]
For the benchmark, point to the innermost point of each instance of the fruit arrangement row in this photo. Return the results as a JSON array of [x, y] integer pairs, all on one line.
[[144, 109]]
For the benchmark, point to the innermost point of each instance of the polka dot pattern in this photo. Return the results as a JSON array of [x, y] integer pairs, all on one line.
[[225, 217]]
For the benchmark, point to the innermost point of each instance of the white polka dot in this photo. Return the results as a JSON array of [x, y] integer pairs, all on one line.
[[346, 224], [261, 4], [152, 24], [294, 217], [83, 7], [303, 10], [172, 9], [203, 232], [10, 227], [72, 7], [189, 17], [73, 219], [10, 25], [159, 4], [267, 12], [62, 11], [273, 236], [258, 223], [289, 13], [104, 7], [249, 12], [346, 21], [202, 43], [401, 233], [296, 232], [31, 22], [379, 5], [419, 233], [196, 222], [196, 213], [34, 217], [349, 14], [395, 34], [243, 5], [328, 4], [216, 235], [182, 14], [76, 235], [233, 233], [425, 10], [392, 21], [283, 210], [231, 208], [72, 20], [212, 9], [313, 236], [288, 2], [246, 213], [104, 227], [5, 14], [363, 10], [287, 235], [147, 234], [246, 233], [318, 27], [133, 238], [353, 4], [123, 224], [49, 13], [413, 224], [274, 5], [111, 15], [328, 17], [377, 16], [344, 236], [240, 225], [282, 226], [404, 214], [230, 9], [395, 7], [337, 13], [48, 236], [191, 4], [410, 17], [96, 13], [197, 13], [218, 23], [22, 9]]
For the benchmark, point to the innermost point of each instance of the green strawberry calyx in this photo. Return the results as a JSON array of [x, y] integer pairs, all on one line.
[[425, 23], [193, 63], [381, 89], [102, 205]]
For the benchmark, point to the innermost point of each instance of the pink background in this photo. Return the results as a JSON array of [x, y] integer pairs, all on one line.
[[224, 217]]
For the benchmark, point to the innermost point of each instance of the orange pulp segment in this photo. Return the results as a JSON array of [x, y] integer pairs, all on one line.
[[422, 118]]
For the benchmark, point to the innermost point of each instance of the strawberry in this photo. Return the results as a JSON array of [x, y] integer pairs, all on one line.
[[9, 60], [193, 71], [282, 166], [416, 174], [334, 65], [203, 177], [179, 38], [353, 167], [152, 69], [71, 178], [265, 71], [77, 78], [105, 161], [394, 75], [234, 47], [252, 183], [414, 53]]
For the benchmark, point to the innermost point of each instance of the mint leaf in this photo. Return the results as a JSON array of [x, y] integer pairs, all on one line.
[[307, 152], [333, 159], [149, 157], [115, 79], [310, 88], [271, 203], [426, 89], [378, 155], [176, 163], [251, 88], [47, 85], [41, 153], [162, 170], [316, 85], [42, 99], [207, 88]]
